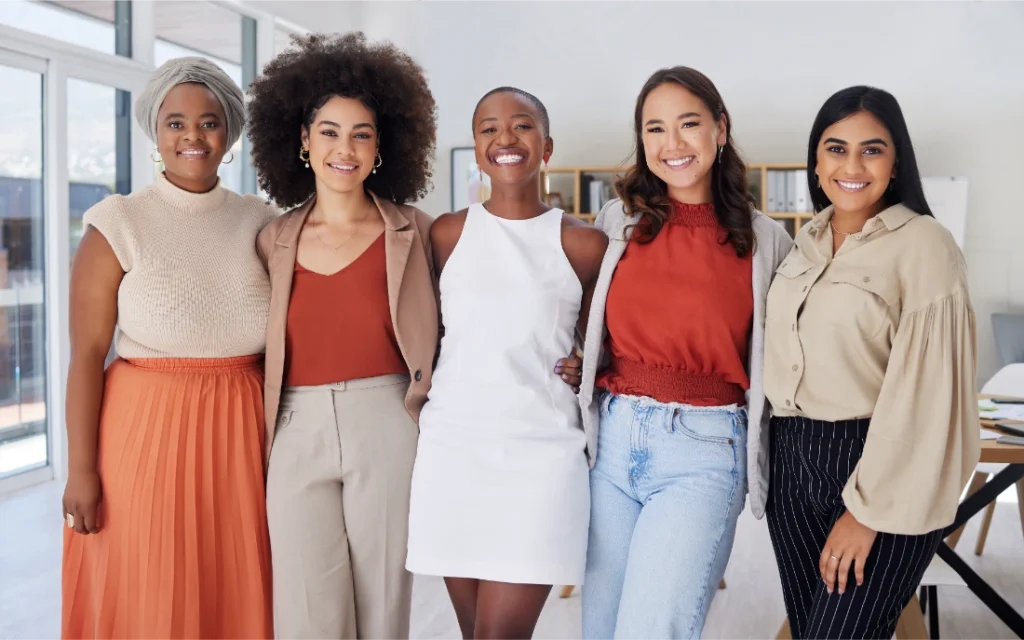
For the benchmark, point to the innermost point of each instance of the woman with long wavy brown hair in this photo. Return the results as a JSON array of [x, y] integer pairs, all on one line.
[[679, 404]]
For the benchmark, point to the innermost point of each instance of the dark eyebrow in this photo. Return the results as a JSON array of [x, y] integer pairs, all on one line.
[[689, 114], [361, 125], [209, 114], [863, 144], [514, 115]]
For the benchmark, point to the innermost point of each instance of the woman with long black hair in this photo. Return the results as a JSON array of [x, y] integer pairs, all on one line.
[[871, 371]]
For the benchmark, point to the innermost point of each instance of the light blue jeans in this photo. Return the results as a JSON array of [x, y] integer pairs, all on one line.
[[667, 489]]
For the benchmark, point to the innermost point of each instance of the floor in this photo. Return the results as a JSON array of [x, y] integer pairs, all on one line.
[[750, 606]]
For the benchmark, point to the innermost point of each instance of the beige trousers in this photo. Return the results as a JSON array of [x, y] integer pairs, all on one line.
[[338, 509]]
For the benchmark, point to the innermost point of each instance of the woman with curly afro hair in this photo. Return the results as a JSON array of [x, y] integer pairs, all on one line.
[[344, 131]]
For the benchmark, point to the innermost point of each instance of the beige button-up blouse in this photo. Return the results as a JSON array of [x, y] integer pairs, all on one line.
[[883, 329]]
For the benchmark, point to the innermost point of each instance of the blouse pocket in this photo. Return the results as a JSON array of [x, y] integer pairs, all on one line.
[[867, 298], [794, 266]]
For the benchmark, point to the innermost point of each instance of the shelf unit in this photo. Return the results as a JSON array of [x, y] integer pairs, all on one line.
[[572, 177], [757, 182], [566, 183]]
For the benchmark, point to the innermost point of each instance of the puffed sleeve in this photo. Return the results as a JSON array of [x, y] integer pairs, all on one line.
[[110, 218], [924, 439]]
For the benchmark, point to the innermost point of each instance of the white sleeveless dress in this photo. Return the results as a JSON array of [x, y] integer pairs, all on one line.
[[500, 488]]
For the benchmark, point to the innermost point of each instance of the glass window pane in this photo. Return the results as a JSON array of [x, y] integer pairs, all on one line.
[[185, 28], [84, 23], [23, 434], [99, 154]]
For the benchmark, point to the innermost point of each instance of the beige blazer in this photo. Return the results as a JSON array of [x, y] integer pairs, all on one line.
[[410, 273]]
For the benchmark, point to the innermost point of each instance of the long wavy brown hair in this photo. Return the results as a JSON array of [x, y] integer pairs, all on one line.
[[645, 194]]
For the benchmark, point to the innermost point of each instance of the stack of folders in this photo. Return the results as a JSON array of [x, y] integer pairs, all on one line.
[[788, 192], [594, 193]]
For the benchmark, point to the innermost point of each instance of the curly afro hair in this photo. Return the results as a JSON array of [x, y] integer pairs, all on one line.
[[298, 82]]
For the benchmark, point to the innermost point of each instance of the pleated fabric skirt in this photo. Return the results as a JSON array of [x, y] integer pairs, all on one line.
[[183, 551]]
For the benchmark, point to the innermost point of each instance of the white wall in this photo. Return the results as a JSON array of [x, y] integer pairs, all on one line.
[[955, 68], [312, 15]]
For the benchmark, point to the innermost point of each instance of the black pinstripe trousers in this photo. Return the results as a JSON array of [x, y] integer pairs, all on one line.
[[811, 462]]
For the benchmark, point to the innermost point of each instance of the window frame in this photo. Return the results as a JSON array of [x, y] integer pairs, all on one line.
[[58, 61]]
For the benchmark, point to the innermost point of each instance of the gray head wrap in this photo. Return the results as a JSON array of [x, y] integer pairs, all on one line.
[[191, 69]]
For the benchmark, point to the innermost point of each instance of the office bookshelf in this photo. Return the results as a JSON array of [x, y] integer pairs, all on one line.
[[757, 182], [566, 184], [562, 187]]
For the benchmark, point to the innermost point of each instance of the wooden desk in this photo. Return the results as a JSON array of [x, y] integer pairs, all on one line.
[[1013, 457], [992, 451]]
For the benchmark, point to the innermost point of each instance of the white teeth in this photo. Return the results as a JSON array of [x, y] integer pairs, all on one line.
[[342, 167], [193, 153], [508, 159], [678, 162], [851, 186]]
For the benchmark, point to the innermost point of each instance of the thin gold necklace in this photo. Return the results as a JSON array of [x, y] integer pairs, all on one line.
[[843, 233], [349, 238]]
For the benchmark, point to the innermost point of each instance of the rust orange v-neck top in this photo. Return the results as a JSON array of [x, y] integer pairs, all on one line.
[[679, 315], [339, 326]]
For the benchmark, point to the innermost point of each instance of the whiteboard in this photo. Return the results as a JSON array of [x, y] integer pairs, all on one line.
[[947, 198]]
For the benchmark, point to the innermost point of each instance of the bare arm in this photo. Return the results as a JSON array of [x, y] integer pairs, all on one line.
[[95, 278], [585, 247], [444, 235]]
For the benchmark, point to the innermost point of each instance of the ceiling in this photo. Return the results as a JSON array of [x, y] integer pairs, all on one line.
[[195, 24]]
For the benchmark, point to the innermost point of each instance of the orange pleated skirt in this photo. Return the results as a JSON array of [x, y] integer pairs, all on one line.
[[183, 551]]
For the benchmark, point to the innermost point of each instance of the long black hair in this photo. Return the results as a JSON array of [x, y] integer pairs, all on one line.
[[906, 187], [644, 193]]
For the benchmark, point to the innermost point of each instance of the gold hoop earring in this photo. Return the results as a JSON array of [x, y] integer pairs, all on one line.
[[304, 159], [380, 161], [155, 156], [229, 160]]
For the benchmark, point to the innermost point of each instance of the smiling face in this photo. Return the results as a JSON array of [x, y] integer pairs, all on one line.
[[509, 138], [342, 143], [680, 140], [856, 160], [191, 136]]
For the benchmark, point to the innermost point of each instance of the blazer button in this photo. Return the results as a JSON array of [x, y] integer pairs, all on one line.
[[418, 375]]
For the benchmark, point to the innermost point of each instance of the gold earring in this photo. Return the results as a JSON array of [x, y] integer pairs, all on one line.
[[380, 161], [155, 156], [304, 159]]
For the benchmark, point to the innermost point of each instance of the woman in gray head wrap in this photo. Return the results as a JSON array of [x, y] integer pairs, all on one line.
[[166, 444], [193, 112]]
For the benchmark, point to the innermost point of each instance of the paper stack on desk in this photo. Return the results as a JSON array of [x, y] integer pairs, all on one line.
[[989, 410]]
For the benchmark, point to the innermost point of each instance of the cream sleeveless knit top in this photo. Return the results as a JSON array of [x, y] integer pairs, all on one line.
[[193, 285]]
